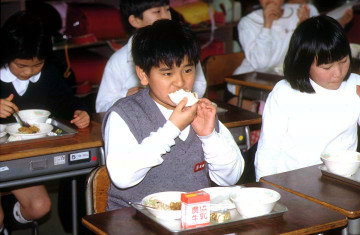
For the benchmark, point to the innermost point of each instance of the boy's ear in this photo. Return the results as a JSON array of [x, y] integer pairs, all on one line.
[[135, 22], [142, 76]]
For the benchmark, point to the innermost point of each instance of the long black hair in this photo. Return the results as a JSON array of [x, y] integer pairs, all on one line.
[[321, 38]]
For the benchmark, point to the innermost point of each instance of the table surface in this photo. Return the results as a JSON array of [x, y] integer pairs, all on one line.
[[309, 183], [89, 137], [260, 80], [303, 217]]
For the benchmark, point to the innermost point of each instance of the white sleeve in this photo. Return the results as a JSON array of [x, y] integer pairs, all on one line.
[[111, 87], [200, 82], [258, 44], [129, 161], [223, 156], [273, 130]]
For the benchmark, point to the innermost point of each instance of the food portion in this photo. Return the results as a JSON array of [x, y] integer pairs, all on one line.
[[177, 96], [29, 130], [159, 205]]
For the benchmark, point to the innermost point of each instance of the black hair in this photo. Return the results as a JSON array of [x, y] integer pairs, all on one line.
[[23, 36], [321, 38], [136, 8], [165, 41]]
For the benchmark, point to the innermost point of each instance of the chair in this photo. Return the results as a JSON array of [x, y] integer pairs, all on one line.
[[216, 68], [97, 184]]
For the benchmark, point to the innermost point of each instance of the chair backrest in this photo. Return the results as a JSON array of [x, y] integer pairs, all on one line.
[[217, 67], [97, 185]]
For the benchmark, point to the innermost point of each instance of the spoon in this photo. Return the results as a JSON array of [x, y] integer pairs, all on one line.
[[140, 204], [20, 121]]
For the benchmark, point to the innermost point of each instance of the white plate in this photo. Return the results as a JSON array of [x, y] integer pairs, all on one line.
[[220, 197], [166, 198], [13, 131]]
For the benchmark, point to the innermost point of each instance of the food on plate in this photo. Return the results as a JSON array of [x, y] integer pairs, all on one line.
[[159, 205], [29, 130], [177, 96]]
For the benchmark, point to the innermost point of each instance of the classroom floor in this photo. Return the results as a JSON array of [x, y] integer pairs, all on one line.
[[52, 223]]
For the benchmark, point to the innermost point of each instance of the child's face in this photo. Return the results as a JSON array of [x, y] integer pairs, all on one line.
[[265, 3], [163, 80], [151, 15], [330, 76], [24, 69]]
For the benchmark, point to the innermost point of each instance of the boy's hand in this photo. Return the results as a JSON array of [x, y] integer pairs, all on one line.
[[204, 122], [182, 116], [271, 12], [81, 119], [303, 13], [7, 107]]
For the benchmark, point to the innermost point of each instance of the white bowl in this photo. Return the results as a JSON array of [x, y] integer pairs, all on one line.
[[342, 162], [166, 198], [252, 201], [13, 131], [220, 198], [34, 115]]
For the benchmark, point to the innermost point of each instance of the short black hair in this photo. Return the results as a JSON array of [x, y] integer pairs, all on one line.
[[321, 38], [136, 8], [23, 36], [165, 41]]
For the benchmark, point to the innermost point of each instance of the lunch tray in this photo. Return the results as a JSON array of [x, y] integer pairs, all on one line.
[[174, 226], [354, 179], [66, 132]]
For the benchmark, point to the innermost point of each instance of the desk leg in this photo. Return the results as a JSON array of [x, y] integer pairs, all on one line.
[[74, 206], [247, 134], [240, 96], [353, 226]]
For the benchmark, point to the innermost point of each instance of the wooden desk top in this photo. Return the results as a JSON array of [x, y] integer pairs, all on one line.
[[265, 81], [89, 137], [302, 217], [236, 116], [309, 183]]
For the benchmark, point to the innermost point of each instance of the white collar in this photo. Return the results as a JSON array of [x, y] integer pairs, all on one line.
[[321, 90], [20, 85]]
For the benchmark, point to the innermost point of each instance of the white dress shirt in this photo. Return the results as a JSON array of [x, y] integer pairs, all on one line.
[[120, 75], [128, 161], [297, 126]]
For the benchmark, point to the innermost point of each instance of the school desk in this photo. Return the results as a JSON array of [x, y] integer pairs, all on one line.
[[254, 80], [329, 192], [37, 162], [303, 217]]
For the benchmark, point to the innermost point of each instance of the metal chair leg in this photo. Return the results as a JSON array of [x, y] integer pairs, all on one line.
[[35, 228]]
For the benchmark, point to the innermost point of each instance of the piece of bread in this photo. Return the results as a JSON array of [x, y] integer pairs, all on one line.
[[177, 96]]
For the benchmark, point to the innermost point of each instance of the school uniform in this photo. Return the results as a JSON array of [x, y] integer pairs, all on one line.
[[46, 90], [120, 75], [146, 153], [297, 126]]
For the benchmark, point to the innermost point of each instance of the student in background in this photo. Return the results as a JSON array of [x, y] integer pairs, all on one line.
[[316, 107], [153, 145], [119, 78], [30, 81], [265, 34]]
